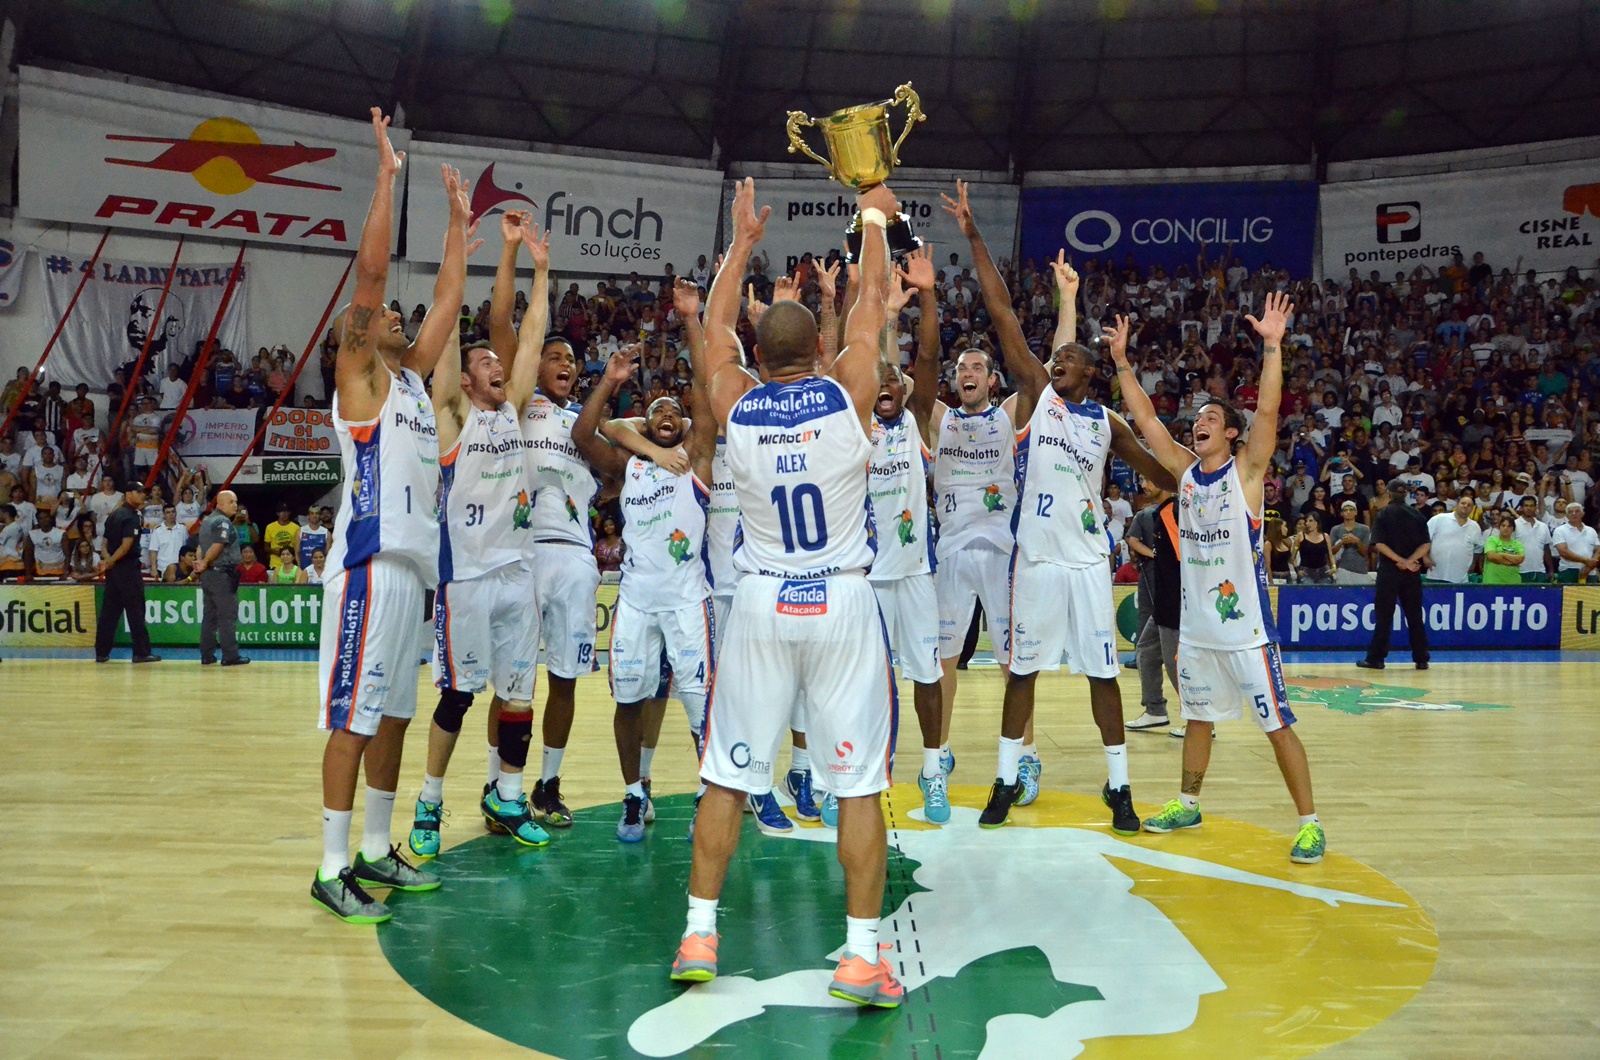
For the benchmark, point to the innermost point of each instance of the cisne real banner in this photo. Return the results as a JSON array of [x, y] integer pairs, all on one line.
[[1468, 617], [1165, 224], [603, 216]]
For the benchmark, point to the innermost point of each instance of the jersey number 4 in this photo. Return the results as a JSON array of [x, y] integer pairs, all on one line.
[[809, 530]]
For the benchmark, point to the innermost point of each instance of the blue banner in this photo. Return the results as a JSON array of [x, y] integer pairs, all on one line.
[[1164, 224], [1458, 617]]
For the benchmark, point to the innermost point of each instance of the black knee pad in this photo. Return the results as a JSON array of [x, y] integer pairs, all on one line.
[[516, 733], [451, 709]]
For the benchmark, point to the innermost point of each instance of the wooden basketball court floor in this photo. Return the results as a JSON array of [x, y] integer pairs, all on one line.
[[161, 828]]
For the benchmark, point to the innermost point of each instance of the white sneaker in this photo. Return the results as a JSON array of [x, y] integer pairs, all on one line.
[[1148, 720], [1178, 733]]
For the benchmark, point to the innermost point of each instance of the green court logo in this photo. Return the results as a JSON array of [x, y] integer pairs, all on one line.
[[1359, 697]]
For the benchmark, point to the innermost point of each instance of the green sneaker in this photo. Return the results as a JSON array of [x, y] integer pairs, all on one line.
[[343, 897], [424, 841], [1173, 815], [514, 817], [1309, 845], [394, 871]]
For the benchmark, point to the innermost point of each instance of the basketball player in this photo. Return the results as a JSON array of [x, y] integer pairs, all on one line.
[[1227, 641], [482, 628], [804, 617], [1060, 581], [385, 548]]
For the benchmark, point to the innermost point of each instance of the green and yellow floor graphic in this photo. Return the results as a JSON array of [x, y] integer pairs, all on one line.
[[1051, 937]]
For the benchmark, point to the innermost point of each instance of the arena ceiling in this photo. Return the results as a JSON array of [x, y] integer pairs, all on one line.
[[1018, 85]]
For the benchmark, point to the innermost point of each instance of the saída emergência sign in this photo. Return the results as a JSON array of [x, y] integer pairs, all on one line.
[[1458, 617], [284, 616]]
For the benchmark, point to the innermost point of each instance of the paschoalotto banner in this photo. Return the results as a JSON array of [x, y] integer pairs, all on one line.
[[1465, 617], [216, 432], [602, 215], [304, 431], [101, 152], [810, 217], [117, 310], [1545, 217], [47, 616], [270, 616]]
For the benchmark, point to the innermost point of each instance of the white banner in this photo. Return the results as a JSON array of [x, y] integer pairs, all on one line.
[[304, 431], [603, 216], [11, 259], [1545, 216], [117, 310], [216, 432], [810, 216], [101, 152]]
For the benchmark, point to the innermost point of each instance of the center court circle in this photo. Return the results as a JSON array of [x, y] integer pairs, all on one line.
[[1048, 935]]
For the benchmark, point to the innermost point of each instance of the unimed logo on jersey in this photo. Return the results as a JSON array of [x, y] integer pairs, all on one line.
[[1399, 222], [803, 598]]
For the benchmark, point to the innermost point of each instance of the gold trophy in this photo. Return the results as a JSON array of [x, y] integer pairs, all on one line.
[[857, 139]]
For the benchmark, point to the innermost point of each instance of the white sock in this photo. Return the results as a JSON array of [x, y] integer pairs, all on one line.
[[432, 789], [494, 764], [702, 916], [861, 939], [944, 748], [510, 787], [1117, 765], [636, 790], [550, 763], [1010, 755], [1030, 750], [335, 842], [375, 826], [1190, 802], [930, 761], [646, 754], [1308, 818]]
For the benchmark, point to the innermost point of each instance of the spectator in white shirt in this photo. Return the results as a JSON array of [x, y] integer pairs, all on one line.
[[1387, 411], [172, 388], [1535, 538], [102, 504], [25, 509], [1576, 478], [1457, 539], [166, 543], [1121, 511], [1577, 546]]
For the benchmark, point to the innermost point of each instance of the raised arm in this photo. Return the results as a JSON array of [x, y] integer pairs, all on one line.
[[357, 364], [701, 442], [1127, 445], [828, 318], [1067, 314], [449, 403], [444, 315], [502, 336], [1263, 440], [524, 367], [601, 454], [919, 275], [723, 350], [859, 366], [1174, 457]]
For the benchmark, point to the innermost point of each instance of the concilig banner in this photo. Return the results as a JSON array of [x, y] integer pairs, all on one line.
[[1542, 217], [100, 152]]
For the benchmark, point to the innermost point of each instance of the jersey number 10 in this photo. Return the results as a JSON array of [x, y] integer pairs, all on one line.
[[793, 518]]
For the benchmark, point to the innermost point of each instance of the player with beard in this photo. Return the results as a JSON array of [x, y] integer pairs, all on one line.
[[1060, 577], [664, 598], [385, 547], [482, 630], [1227, 640]]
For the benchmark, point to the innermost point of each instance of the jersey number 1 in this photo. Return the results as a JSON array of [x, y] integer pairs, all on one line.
[[793, 520]]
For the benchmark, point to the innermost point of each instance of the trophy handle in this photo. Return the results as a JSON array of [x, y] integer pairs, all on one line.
[[799, 119], [907, 95]]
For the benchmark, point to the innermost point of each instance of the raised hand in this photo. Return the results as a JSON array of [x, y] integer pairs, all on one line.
[[513, 225], [538, 244], [685, 298], [1275, 313], [459, 193], [879, 197], [389, 160], [961, 210], [1066, 276], [1116, 338], [748, 224], [786, 289], [473, 244], [918, 273], [828, 280], [899, 295], [622, 364], [754, 307]]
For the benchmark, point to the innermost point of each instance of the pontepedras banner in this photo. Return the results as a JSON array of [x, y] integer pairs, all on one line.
[[1541, 217], [98, 151], [603, 216]]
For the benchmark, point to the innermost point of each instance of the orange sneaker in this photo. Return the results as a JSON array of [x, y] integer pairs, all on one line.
[[697, 958], [867, 984]]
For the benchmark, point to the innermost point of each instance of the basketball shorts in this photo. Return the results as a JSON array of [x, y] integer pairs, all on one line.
[[1216, 684], [486, 629], [372, 637], [721, 607], [638, 639], [823, 638], [966, 577], [911, 614], [1058, 610], [565, 579]]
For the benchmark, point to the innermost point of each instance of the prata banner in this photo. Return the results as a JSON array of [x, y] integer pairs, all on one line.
[[117, 310], [102, 152], [810, 217], [1165, 224], [1470, 616], [216, 432], [603, 216], [1543, 217]]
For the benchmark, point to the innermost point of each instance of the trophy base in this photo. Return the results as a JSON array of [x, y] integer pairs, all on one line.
[[902, 240]]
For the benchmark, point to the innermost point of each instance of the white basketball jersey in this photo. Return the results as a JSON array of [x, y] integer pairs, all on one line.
[[664, 529], [722, 522], [486, 496], [1061, 464], [897, 485], [799, 462], [560, 513], [391, 482], [974, 479], [1224, 580]]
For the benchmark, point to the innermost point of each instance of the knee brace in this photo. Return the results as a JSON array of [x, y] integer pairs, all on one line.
[[451, 709], [516, 732], [694, 707]]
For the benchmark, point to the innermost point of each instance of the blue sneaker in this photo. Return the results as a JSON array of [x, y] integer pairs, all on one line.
[[830, 811], [947, 762], [770, 818], [631, 828], [514, 817], [935, 799], [1029, 771], [424, 841], [799, 784]]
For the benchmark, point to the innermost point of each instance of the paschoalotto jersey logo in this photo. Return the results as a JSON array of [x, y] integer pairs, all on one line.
[[1049, 938]]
